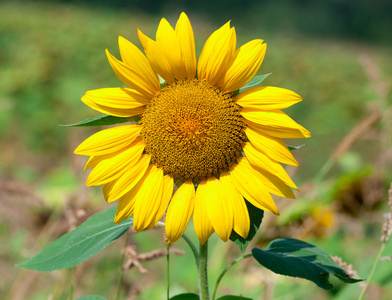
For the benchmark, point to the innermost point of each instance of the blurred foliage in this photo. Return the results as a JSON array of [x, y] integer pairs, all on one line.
[[51, 53], [356, 19]]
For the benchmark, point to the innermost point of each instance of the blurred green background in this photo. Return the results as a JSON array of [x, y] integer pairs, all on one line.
[[336, 54]]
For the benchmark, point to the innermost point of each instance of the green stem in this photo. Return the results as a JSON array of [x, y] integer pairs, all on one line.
[[203, 276], [224, 272], [120, 276], [168, 270], [372, 272], [194, 250], [189, 242], [71, 285]]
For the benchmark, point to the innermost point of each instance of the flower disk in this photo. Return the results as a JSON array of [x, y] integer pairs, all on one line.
[[193, 130]]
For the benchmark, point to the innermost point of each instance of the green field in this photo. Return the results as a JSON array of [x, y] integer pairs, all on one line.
[[51, 54]]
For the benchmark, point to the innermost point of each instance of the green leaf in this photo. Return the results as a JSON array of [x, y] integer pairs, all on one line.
[[291, 148], [91, 297], [296, 258], [80, 244], [231, 297], [103, 120], [255, 216], [254, 82], [187, 296]]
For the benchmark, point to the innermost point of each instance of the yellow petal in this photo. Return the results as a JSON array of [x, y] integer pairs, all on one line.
[[134, 58], [125, 207], [157, 57], [270, 172], [180, 211], [219, 211], [126, 204], [217, 55], [107, 190], [167, 38], [281, 132], [148, 199], [133, 77], [128, 179], [274, 184], [117, 112], [93, 161], [168, 185], [201, 221], [112, 168], [109, 140], [119, 102], [274, 121], [186, 39], [237, 202], [267, 98], [271, 146], [250, 186], [262, 161], [246, 64], [117, 97]]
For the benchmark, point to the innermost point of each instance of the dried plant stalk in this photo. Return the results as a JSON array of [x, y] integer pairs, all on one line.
[[134, 258], [347, 267], [387, 226], [355, 134]]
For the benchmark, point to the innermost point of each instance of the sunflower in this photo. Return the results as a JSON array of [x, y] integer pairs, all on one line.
[[194, 132]]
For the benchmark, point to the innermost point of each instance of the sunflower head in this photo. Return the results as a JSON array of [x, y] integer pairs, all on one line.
[[199, 129]]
